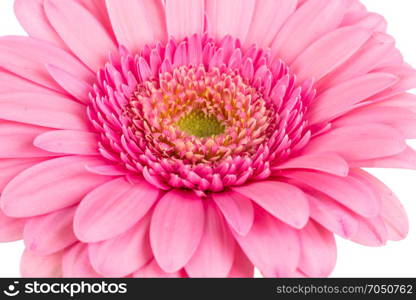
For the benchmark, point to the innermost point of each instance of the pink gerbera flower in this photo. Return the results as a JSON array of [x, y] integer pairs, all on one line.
[[199, 138]]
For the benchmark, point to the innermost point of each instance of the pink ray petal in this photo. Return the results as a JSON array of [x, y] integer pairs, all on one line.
[[319, 251], [86, 37], [11, 229], [113, 208], [124, 254], [176, 229], [68, 142], [49, 186], [50, 233], [76, 264], [236, 209], [33, 265], [152, 270], [403, 160], [371, 232], [242, 267], [282, 200], [10, 167], [215, 254], [271, 246]]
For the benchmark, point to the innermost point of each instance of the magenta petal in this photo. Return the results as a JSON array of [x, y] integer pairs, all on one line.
[[113, 208], [271, 246], [33, 265], [282, 200], [242, 266], [50, 233], [124, 254], [176, 229], [49, 186], [236, 209], [215, 254], [319, 252]]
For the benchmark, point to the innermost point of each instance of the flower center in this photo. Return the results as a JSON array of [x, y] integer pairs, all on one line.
[[201, 124]]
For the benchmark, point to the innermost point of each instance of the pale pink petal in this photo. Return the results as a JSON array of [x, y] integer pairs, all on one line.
[[152, 270], [76, 264], [49, 186], [332, 215], [403, 160], [55, 111], [18, 84], [242, 267], [319, 251], [345, 96], [349, 191], [86, 37], [324, 162], [10, 167], [32, 17], [11, 229], [70, 83], [219, 22], [68, 142], [33, 265], [338, 46], [236, 209], [50, 233], [214, 256], [138, 22], [16, 140], [282, 200], [99, 10], [184, 18], [28, 57], [271, 246], [371, 232], [399, 118], [113, 208], [392, 211], [176, 229], [124, 254], [268, 18], [359, 142], [309, 22]]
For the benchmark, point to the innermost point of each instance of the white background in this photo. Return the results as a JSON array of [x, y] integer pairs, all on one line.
[[397, 259]]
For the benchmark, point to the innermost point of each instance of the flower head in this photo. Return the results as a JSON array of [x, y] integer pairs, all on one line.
[[164, 138]]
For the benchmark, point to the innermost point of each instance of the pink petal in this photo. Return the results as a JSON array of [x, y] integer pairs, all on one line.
[[11, 229], [236, 209], [152, 270], [345, 96], [27, 57], [50, 233], [176, 229], [19, 84], [49, 186], [403, 160], [76, 264], [268, 18], [68, 142], [371, 232], [272, 246], [16, 140], [242, 267], [98, 9], [33, 265], [86, 36], [349, 191], [359, 142], [324, 162], [333, 216], [319, 251], [45, 110], [219, 22], [184, 18], [124, 254], [392, 211], [113, 208], [70, 83], [282, 200], [32, 17], [338, 46], [215, 254], [137, 22], [309, 22], [10, 167]]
